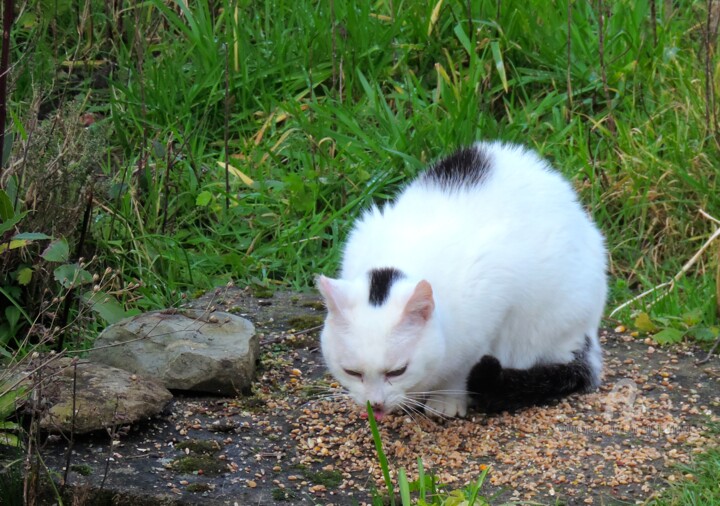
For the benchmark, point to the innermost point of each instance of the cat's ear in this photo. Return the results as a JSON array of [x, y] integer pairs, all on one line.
[[420, 305], [333, 292]]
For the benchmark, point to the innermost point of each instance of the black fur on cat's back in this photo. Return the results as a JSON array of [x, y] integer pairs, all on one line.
[[466, 167], [494, 389]]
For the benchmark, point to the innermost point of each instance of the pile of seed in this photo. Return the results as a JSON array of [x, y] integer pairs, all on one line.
[[623, 441]]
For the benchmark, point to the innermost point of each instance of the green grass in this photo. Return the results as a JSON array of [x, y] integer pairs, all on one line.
[[326, 111], [425, 490], [698, 485]]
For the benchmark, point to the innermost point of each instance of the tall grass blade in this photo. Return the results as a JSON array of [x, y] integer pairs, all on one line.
[[382, 459]]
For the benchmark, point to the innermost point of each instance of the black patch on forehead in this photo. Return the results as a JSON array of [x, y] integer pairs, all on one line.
[[381, 280], [465, 168]]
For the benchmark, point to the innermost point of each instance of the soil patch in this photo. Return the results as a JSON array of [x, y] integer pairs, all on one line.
[[296, 440]]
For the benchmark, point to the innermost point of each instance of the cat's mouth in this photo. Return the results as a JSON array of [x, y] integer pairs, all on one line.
[[378, 413]]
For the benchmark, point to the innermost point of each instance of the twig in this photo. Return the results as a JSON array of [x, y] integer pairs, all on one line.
[[709, 355], [112, 432]]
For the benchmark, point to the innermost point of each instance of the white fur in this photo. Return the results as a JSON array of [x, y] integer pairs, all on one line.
[[517, 270]]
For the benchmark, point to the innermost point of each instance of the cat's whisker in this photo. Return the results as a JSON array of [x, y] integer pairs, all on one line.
[[425, 408], [442, 392], [418, 409]]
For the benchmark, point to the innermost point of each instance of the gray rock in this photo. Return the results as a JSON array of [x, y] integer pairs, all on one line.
[[104, 397], [185, 350]]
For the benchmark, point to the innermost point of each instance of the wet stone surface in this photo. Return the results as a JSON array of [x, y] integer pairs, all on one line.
[[294, 442]]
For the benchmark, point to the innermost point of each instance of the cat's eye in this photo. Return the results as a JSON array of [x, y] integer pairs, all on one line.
[[396, 372], [356, 374]]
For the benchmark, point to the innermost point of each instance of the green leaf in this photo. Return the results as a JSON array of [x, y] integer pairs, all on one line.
[[7, 148], [12, 315], [32, 236], [24, 276], [118, 190], [13, 244], [644, 323], [499, 63], [7, 439], [382, 458], [203, 198], [404, 486], [669, 336], [703, 333], [6, 208], [158, 149], [9, 223], [692, 318], [69, 275], [57, 251], [9, 400], [106, 306], [463, 38]]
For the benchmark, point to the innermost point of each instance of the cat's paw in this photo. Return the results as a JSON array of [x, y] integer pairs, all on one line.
[[447, 406]]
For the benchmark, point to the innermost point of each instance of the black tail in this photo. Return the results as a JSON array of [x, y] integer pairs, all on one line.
[[495, 389]]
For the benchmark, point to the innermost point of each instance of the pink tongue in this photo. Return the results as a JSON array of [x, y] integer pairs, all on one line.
[[379, 414]]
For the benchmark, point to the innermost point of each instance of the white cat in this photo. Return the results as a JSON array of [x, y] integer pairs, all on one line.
[[485, 268]]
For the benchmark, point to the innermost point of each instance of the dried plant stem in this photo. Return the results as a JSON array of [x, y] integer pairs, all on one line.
[[709, 40], [603, 69], [226, 132], [569, 58], [8, 9], [671, 283], [71, 441]]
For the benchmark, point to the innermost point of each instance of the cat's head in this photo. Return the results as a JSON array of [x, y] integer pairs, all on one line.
[[381, 338]]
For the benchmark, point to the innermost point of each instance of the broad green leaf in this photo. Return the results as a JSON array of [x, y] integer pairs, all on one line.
[[6, 207], [9, 400], [69, 275], [669, 336], [24, 276], [203, 198], [9, 223], [13, 244], [32, 236], [692, 318], [12, 315], [644, 323], [7, 439], [106, 306], [702, 333], [57, 251]]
